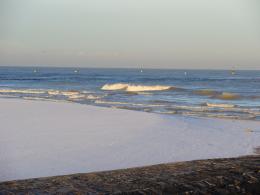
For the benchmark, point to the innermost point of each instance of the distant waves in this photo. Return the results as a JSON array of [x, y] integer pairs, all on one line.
[[52, 94], [209, 93], [141, 88]]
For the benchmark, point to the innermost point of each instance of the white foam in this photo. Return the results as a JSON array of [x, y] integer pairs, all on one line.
[[53, 92], [65, 93], [92, 97], [147, 88], [83, 96], [135, 88], [116, 86], [31, 91], [220, 105], [69, 93], [76, 96]]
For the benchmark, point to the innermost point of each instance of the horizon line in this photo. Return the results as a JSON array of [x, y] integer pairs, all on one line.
[[142, 68]]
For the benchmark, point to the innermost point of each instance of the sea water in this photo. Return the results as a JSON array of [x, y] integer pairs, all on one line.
[[206, 93]]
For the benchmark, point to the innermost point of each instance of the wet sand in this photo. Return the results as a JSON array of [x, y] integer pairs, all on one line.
[[43, 138]]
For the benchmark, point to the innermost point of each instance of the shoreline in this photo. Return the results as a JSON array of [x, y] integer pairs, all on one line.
[[45, 138], [121, 108]]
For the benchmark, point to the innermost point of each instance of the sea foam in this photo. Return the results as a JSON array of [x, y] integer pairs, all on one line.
[[30, 91], [135, 88], [220, 105]]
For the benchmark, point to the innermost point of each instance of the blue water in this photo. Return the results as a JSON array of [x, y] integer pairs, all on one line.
[[207, 93]]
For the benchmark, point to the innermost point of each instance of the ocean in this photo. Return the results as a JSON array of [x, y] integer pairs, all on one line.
[[202, 93]]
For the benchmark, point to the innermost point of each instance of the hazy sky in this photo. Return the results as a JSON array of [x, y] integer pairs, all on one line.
[[131, 33]]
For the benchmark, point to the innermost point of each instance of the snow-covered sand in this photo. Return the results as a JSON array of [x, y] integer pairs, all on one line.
[[42, 138]]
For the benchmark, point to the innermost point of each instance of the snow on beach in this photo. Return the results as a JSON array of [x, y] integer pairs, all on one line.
[[43, 138]]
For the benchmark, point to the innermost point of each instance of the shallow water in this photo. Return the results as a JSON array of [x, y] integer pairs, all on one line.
[[210, 93]]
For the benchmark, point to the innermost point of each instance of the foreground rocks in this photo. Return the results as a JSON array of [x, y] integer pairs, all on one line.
[[218, 176]]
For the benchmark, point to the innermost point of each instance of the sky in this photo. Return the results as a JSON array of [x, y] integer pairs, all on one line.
[[203, 34]]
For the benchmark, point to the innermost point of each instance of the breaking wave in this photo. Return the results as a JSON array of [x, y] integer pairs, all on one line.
[[135, 88], [69, 93], [30, 91], [149, 101], [220, 105], [51, 93]]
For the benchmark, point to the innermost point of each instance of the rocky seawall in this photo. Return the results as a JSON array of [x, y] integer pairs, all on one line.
[[215, 176]]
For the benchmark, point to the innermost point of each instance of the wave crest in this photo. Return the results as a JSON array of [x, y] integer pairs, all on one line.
[[135, 88], [116, 86], [220, 105], [206, 92], [30, 91], [227, 96]]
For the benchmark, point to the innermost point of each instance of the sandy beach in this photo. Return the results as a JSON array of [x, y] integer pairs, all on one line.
[[44, 138]]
